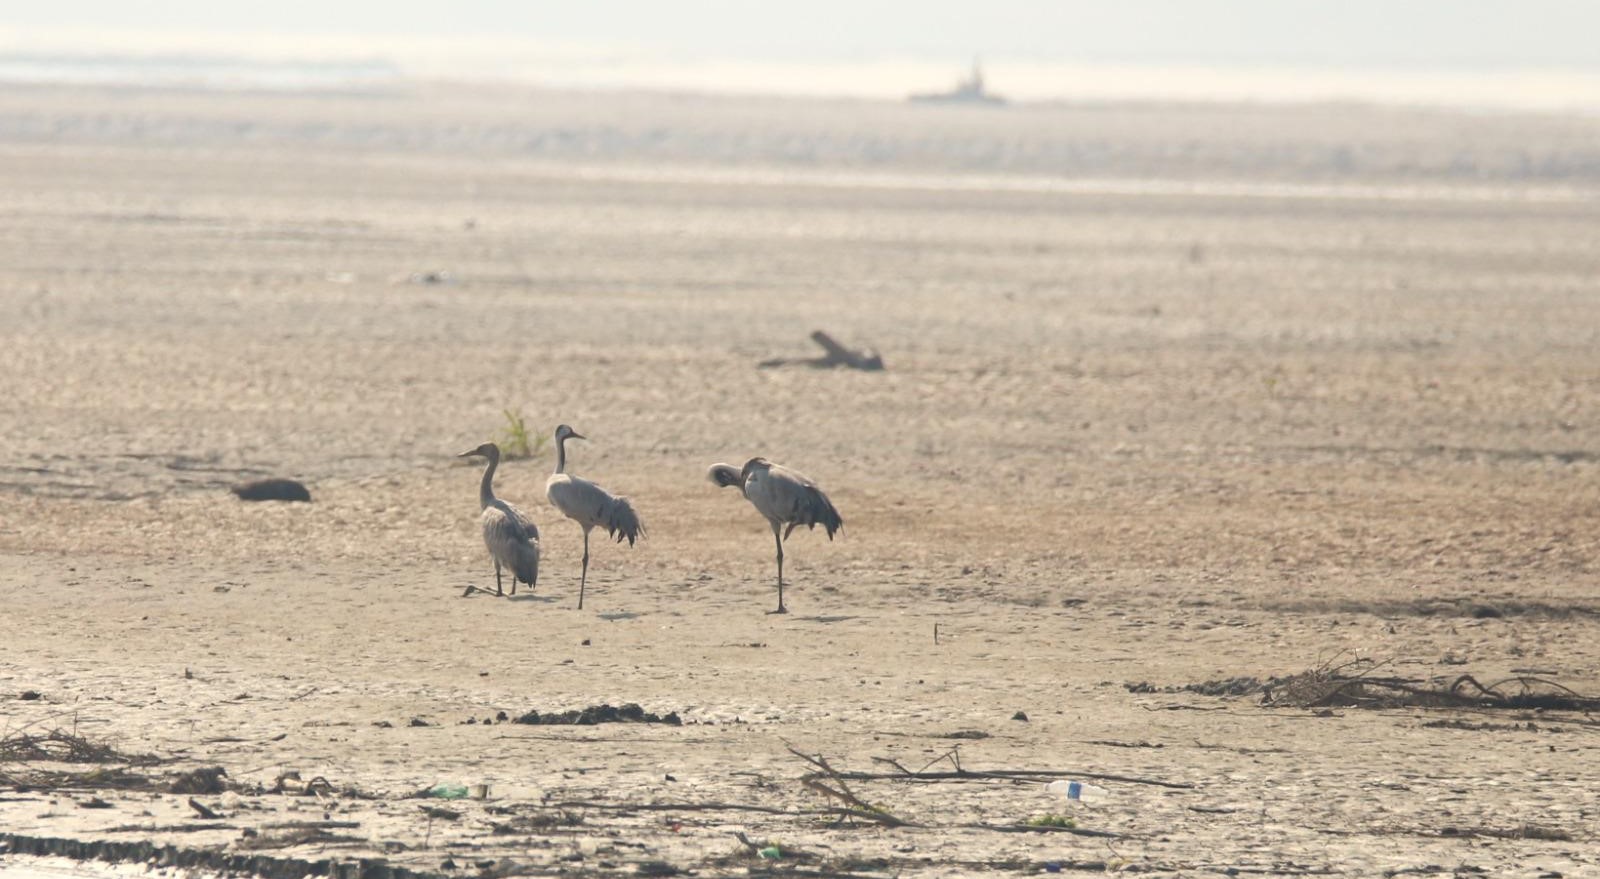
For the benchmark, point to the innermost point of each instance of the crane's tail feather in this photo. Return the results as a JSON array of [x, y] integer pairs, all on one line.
[[815, 509], [526, 565], [726, 475], [623, 521]]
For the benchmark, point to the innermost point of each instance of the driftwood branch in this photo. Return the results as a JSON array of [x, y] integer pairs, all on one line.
[[1353, 685], [836, 355], [855, 807], [168, 828], [1001, 774], [1043, 828], [679, 807]]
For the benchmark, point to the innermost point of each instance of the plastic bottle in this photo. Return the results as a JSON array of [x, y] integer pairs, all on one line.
[[1078, 791], [448, 791]]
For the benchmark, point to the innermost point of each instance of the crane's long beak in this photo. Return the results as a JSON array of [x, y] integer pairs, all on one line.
[[576, 435], [467, 454]]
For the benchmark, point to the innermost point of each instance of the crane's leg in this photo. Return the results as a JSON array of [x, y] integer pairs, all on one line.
[[779, 541], [583, 580], [497, 589]]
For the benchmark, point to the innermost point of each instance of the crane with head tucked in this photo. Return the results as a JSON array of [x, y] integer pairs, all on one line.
[[589, 505], [512, 538], [786, 497]]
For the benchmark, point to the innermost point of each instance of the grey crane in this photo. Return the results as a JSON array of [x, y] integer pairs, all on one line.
[[512, 538], [786, 497], [589, 505]]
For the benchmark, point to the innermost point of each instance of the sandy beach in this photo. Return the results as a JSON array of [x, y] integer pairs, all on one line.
[[1174, 395]]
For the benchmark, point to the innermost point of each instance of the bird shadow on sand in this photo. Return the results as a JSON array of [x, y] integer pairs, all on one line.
[[619, 615], [530, 596], [478, 591], [823, 618]]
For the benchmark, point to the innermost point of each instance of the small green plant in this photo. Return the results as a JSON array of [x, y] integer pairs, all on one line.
[[1051, 820], [1272, 381], [515, 441]]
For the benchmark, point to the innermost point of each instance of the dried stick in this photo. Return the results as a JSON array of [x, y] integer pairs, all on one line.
[[857, 807], [1005, 775], [679, 807], [1037, 828], [167, 828], [202, 810]]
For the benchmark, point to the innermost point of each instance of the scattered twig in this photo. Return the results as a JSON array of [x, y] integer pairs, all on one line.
[[679, 807], [298, 837], [1272, 870], [203, 810], [953, 755], [1006, 775], [1184, 707], [1043, 828], [167, 828]]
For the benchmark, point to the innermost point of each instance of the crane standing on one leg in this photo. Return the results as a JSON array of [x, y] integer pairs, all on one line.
[[589, 505], [786, 497]]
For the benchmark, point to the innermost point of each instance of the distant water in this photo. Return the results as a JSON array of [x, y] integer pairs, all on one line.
[[197, 61], [1091, 186], [196, 71]]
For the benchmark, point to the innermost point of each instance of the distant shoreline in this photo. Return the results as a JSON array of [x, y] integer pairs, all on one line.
[[1235, 150], [1513, 90]]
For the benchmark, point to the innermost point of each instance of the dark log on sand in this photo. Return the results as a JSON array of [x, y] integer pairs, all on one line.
[[274, 489], [838, 355]]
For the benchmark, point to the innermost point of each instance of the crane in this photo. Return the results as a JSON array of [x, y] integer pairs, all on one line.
[[512, 538], [589, 505], [786, 497]]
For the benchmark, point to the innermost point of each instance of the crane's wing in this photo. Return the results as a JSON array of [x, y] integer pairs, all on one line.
[[513, 540], [589, 505], [509, 522], [789, 497], [789, 474]]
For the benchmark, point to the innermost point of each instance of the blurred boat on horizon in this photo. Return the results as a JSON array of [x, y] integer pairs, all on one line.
[[970, 90]]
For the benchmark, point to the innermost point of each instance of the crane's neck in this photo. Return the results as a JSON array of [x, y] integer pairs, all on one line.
[[486, 490], [561, 454]]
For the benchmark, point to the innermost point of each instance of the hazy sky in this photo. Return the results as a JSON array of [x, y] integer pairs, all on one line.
[[1340, 33]]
